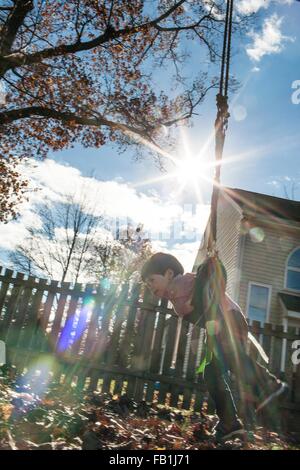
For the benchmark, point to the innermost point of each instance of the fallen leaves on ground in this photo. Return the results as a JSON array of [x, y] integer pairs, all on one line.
[[63, 419]]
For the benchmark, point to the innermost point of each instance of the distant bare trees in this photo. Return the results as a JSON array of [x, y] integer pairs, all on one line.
[[70, 243], [60, 244], [290, 188]]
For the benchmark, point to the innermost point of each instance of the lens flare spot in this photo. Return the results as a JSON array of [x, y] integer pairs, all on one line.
[[105, 283], [257, 234], [75, 326], [239, 113], [37, 377]]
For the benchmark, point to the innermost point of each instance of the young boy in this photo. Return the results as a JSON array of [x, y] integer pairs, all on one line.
[[226, 338]]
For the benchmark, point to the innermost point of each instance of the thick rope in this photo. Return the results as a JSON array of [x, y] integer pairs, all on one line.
[[224, 56], [221, 124]]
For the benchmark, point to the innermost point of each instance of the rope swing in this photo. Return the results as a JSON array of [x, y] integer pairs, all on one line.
[[221, 125], [210, 283]]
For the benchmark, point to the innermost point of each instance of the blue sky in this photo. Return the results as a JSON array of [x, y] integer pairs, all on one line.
[[262, 145], [270, 130]]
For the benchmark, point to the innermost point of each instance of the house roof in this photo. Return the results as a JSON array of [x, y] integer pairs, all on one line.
[[291, 301], [262, 204]]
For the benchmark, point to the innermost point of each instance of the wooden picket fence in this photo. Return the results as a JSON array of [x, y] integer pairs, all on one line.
[[115, 339]]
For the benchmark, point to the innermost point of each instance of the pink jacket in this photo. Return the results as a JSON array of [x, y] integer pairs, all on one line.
[[180, 293]]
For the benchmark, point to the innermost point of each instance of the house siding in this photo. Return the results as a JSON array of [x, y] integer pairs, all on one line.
[[264, 262], [249, 261]]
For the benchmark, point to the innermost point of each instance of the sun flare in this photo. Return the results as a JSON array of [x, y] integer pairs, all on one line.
[[190, 170]]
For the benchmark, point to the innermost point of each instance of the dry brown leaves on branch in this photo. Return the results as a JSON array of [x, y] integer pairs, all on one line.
[[87, 72]]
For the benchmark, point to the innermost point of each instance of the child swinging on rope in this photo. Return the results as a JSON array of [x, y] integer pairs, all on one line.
[[201, 299]]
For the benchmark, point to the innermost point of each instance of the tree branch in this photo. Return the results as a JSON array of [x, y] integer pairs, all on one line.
[[20, 59], [10, 116], [13, 23]]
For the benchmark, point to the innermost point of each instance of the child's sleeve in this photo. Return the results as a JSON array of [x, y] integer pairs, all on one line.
[[182, 306]]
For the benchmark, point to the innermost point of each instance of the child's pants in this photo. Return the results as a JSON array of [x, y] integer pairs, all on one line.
[[231, 355]]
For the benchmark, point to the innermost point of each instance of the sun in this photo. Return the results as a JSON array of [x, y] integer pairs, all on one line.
[[190, 173], [189, 169], [184, 165], [187, 172]]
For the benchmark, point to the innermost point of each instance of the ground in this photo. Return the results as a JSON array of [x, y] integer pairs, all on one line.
[[61, 418]]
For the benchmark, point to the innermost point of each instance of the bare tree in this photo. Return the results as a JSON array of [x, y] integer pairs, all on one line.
[[71, 244], [290, 190], [62, 244], [122, 258]]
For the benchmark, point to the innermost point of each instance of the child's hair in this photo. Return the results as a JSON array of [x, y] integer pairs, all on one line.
[[159, 263]]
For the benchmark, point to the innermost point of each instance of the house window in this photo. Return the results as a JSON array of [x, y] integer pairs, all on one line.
[[293, 271], [258, 303]]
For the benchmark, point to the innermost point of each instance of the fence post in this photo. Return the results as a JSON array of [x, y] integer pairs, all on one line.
[[5, 281]]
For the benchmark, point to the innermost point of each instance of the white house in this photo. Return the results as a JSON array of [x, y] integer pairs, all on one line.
[[258, 240]]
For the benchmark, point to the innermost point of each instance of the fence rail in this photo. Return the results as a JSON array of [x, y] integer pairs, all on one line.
[[116, 339]]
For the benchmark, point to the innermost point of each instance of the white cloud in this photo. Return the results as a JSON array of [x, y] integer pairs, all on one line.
[[274, 183], [269, 41], [186, 253], [253, 6], [14, 232], [115, 199]]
